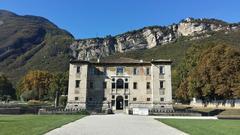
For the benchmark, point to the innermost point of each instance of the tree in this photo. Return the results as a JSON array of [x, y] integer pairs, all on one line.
[[184, 69], [37, 83], [6, 88], [216, 74], [59, 84]]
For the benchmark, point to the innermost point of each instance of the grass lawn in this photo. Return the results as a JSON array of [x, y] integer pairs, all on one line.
[[33, 124], [205, 127], [230, 112]]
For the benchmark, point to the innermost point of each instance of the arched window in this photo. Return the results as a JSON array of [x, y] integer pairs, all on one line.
[[120, 84]]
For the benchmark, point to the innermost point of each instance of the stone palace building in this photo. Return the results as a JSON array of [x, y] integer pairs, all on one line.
[[121, 84]]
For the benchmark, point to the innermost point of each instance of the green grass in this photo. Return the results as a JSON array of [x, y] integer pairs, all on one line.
[[33, 124], [205, 127], [230, 112]]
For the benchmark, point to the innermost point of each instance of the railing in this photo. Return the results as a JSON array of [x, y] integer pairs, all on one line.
[[121, 91], [149, 91], [76, 92], [162, 91], [77, 75], [61, 110], [161, 76], [126, 91]]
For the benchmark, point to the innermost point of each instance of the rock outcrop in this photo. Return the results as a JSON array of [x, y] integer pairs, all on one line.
[[145, 38]]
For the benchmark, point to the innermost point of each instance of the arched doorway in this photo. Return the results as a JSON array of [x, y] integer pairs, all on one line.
[[120, 83], [119, 103]]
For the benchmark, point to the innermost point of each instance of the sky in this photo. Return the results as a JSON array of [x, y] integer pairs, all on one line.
[[98, 18]]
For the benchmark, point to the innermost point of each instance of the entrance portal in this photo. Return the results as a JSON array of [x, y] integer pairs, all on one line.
[[119, 103]]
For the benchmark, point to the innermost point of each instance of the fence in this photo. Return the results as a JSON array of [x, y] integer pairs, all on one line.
[[234, 103], [62, 110]]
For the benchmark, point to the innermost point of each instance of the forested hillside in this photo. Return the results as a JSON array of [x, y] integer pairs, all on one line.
[[31, 42]]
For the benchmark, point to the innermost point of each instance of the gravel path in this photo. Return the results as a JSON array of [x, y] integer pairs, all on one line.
[[118, 124]]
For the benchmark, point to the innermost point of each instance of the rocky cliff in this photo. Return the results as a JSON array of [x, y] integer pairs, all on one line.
[[147, 37]]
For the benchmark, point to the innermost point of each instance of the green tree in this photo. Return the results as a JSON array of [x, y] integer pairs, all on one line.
[[59, 84], [6, 88], [184, 69]]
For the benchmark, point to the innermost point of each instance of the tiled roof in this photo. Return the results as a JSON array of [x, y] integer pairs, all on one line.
[[121, 60]]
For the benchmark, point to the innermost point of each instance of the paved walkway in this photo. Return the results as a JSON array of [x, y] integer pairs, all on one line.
[[118, 124]]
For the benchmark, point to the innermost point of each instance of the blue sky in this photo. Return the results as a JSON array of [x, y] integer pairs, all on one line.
[[91, 18]]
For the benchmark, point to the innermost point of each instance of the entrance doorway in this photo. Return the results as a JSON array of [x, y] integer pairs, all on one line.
[[119, 103]]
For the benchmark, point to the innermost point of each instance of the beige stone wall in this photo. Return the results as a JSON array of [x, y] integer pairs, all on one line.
[[167, 85], [96, 94], [80, 92]]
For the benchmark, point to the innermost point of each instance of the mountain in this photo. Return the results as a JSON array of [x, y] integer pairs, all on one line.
[[148, 37], [31, 42], [185, 35], [181, 49]]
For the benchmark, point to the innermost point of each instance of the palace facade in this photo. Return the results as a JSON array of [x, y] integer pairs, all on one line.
[[121, 84]]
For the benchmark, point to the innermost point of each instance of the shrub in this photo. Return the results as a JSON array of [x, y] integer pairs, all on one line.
[[63, 100], [83, 112], [28, 95]]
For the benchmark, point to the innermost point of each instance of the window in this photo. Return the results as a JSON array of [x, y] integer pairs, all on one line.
[[126, 97], [126, 102], [78, 69], [147, 71], [91, 85], [105, 70], [113, 85], [161, 70], [113, 102], [92, 71], [113, 97], [76, 98], [96, 71], [135, 85], [104, 99], [77, 85], [119, 70], [126, 85], [90, 99], [161, 99], [161, 84], [134, 99], [148, 99], [148, 85], [104, 85], [120, 84], [135, 71]]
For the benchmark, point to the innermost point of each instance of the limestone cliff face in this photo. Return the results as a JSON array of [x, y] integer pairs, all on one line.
[[145, 38]]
